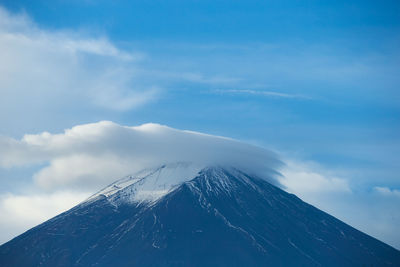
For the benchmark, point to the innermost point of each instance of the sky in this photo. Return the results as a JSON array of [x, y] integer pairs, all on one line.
[[316, 82]]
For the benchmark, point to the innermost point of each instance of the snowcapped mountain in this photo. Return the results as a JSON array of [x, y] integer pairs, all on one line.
[[188, 215], [149, 185]]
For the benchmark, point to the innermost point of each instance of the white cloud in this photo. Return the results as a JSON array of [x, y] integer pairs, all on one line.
[[83, 171], [386, 191], [64, 70], [92, 155], [305, 179], [22, 212]]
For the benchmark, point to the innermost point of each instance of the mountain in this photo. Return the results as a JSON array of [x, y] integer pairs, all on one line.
[[186, 215]]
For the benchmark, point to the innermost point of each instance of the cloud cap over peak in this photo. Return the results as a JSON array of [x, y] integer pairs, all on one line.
[[92, 155]]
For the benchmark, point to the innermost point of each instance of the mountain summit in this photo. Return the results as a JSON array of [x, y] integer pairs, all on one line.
[[187, 215]]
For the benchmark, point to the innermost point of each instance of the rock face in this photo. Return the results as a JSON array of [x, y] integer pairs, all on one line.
[[210, 216]]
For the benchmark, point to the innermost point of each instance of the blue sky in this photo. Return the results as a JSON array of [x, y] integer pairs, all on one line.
[[315, 81]]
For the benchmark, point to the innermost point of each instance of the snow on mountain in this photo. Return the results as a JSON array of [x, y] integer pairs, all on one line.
[[150, 184]]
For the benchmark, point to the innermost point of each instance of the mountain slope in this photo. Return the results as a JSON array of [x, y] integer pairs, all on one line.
[[218, 217]]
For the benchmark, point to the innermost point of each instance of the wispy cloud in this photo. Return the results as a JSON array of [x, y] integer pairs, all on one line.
[[261, 93], [386, 191], [63, 68], [188, 76]]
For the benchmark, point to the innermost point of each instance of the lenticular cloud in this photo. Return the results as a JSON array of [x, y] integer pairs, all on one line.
[[92, 155]]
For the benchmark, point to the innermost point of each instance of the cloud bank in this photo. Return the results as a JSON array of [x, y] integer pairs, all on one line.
[[19, 213], [92, 155]]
